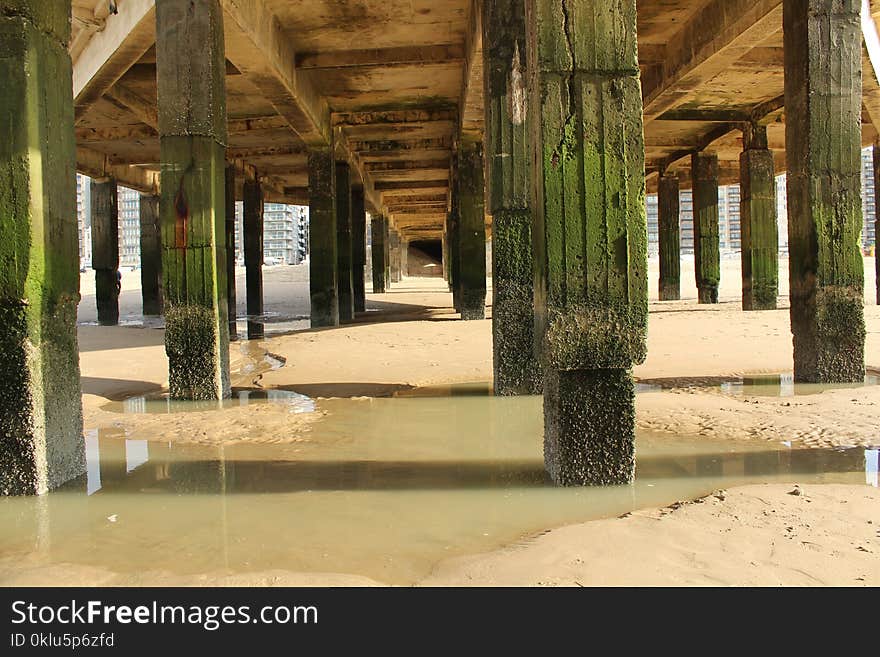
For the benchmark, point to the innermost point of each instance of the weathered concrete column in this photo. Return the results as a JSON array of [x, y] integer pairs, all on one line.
[[377, 253], [192, 132], [453, 221], [231, 305], [876, 154], [759, 228], [516, 369], [358, 246], [41, 444], [668, 219], [590, 233], [322, 238], [444, 250], [707, 248], [344, 249], [252, 214], [105, 249], [471, 231], [151, 255], [404, 256], [387, 243], [823, 103], [394, 255]]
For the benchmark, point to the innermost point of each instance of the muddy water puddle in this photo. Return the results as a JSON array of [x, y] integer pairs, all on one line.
[[384, 488]]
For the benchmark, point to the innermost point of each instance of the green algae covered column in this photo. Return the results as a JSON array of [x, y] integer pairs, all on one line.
[[322, 239], [105, 249], [876, 154], [516, 370], [252, 234], [590, 232], [707, 247], [471, 231], [358, 247], [377, 253], [759, 228], [151, 255], [192, 132], [41, 444], [669, 233], [232, 308], [453, 221], [394, 255], [344, 249], [823, 103]]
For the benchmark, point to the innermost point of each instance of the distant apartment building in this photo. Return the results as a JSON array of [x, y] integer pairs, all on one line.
[[869, 202], [128, 207], [83, 221], [285, 233]]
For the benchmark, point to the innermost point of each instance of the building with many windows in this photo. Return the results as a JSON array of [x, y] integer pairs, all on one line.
[[128, 208], [285, 233]]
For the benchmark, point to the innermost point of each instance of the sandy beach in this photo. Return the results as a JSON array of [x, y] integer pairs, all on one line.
[[411, 338]]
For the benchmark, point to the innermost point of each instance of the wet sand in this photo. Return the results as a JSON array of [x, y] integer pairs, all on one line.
[[692, 351]]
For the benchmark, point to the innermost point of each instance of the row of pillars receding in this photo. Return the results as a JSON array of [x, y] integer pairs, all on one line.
[[566, 189], [758, 221]]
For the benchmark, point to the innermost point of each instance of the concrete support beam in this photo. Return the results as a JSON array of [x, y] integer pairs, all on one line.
[[471, 231], [707, 254], [452, 231], [41, 444], [344, 249], [444, 246], [516, 367], [253, 255], [229, 207], [758, 221], [105, 249], [151, 255], [377, 254], [670, 239], [823, 103], [126, 36], [358, 247], [394, 255], [322, 239], [192, 132], [591, 297]]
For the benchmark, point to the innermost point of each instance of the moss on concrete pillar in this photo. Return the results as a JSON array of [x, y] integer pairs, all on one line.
[[758, 221], [471, 231], [322, 239], [151, 255], [516, 368], [453, 221], [231, 305], [876, 154], [668, 219], [387, 242], [823, 104], [358, 246], [105, 249], [344, 249], [590, 233], [192, 131], [707, 247], [377, 253], [252, 224], [41, 444]]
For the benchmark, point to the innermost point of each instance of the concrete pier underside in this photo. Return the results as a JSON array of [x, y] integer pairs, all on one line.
[[578, 106]]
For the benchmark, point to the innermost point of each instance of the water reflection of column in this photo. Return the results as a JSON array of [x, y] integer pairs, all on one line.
[[224, 510], [111, 448]]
